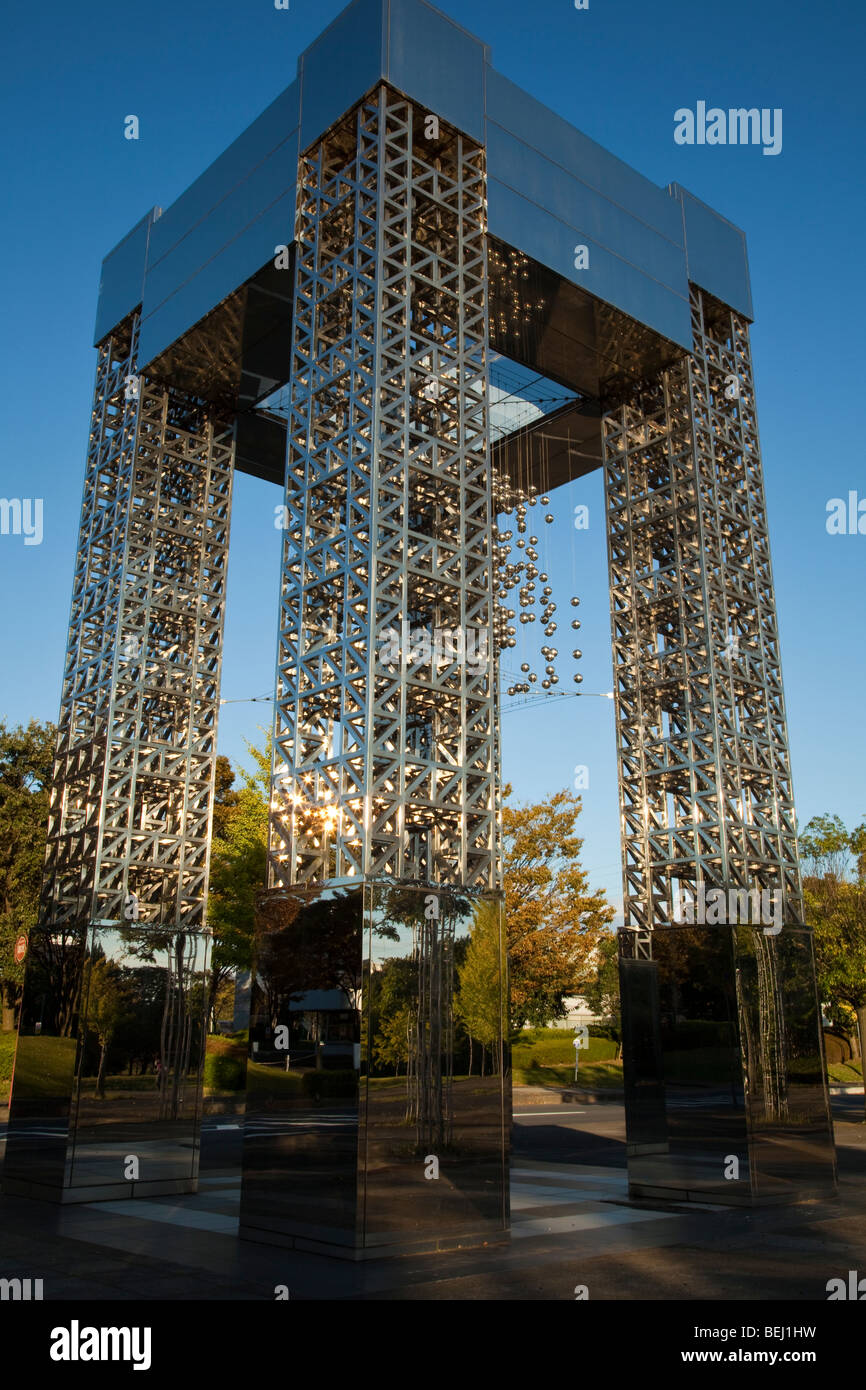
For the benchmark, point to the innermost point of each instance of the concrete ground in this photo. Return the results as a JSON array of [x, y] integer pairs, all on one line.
[[573, 1225]]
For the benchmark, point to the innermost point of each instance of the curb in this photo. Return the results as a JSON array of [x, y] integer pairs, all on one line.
[[541, 1096]]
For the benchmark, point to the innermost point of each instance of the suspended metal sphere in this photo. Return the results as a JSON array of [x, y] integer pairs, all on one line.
[[577, 653], [545, 501], [578, 679], [576, 624], [525, 666], [546, 685], [543, 578], [533, 677], [548, 518], [575, 603], [550, 670], [554, 680]]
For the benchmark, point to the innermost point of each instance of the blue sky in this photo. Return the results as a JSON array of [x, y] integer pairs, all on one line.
[[198, 71]]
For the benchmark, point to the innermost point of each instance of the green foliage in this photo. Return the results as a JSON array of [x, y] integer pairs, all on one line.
[[238, 870], [389, 996], [26, 759], [835, 892], [601, 992], [555, 1047], [391, 1042], [225, 1065], [225, 797], [479, 1002], [7, 1062]]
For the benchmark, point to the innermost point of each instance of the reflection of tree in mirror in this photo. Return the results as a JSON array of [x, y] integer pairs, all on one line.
[[392, 1042], [424, 1005], [107, 1007], [181, 1032], [305, 946], [480, 999], [54, 963]]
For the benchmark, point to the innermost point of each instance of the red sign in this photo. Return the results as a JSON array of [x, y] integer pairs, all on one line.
[[20, 949]]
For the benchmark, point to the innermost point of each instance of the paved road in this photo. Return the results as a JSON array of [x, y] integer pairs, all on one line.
[[555, 1133], [592, 1134]]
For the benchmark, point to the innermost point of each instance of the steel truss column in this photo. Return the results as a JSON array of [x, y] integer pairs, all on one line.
[[386, 695], [136, 754], [705, 782]]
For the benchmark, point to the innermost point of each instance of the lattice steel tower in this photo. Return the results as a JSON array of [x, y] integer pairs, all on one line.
[[321, 309]]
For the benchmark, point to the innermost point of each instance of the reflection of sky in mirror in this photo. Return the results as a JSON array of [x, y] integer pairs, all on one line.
[[384, 948], [132, 949], [519, 396]]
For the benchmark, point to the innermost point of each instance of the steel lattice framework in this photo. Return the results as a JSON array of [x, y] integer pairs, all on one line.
[[133, 777], [385, 728], [386, 725], [704, 776]]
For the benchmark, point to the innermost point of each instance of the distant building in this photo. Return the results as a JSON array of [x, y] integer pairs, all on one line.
[[578, 1013]]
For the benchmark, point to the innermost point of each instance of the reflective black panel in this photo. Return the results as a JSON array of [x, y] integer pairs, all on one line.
[[725, 1092], [792, 1134], [376, 1105], [300, 1167], [107, 1090], [45, 1061], [432, 1127]]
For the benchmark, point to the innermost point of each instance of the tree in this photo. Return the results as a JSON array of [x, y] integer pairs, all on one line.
[[238, 867], [225, 797], [554, 923], [835, 892], [479, 1002], [602, 992], [107, 1009], [26, 760], [391, 1043]]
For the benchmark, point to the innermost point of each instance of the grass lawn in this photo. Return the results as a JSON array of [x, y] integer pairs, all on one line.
[[7, 1059], [845, 1073], [545, 1057]]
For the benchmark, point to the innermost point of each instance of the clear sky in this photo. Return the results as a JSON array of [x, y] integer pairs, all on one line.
[[196, 72]]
